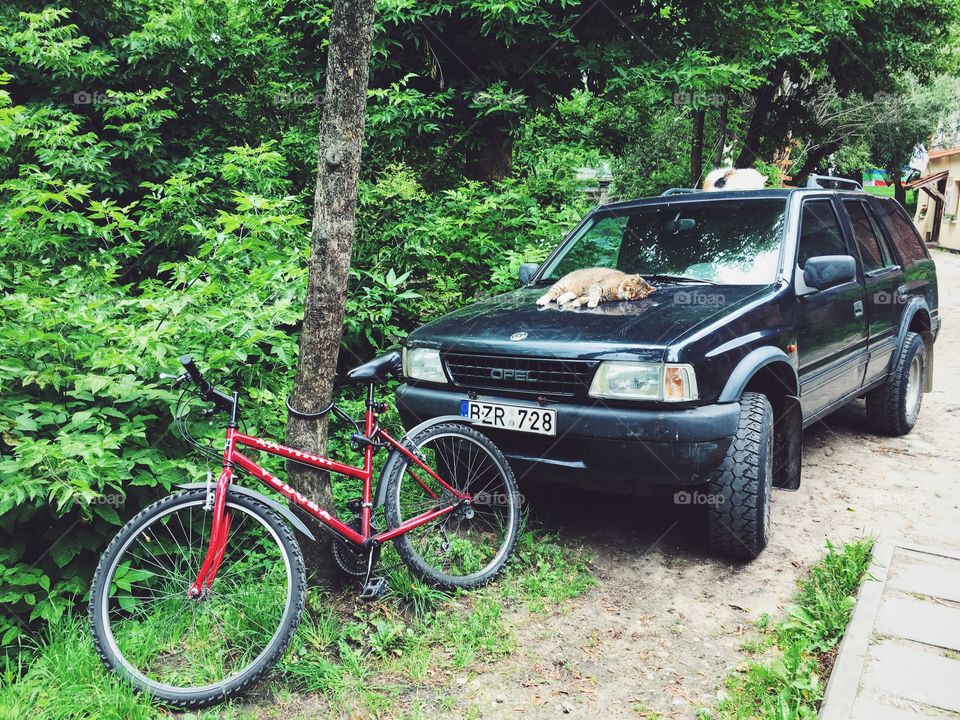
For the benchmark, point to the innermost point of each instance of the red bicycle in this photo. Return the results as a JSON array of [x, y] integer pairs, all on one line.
[[199, 595]]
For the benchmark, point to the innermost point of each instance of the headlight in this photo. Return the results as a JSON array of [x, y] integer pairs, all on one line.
[[423, 364], [644, 381]]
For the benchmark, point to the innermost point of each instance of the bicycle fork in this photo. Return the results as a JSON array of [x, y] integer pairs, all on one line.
[[219, 527]]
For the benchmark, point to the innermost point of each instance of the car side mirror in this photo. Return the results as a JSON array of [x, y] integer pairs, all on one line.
[[827, 271], [527, 271]]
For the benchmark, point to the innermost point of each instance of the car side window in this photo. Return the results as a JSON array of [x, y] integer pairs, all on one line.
[[872, 250], [820, 232], [904, 234]]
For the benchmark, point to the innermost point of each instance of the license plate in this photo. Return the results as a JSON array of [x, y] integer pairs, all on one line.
[[511, 417]]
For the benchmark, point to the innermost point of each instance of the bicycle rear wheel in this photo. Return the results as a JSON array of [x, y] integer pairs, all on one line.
[[468, 547], [195, 652]]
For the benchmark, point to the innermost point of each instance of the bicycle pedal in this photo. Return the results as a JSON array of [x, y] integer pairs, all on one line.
[[375, 589]]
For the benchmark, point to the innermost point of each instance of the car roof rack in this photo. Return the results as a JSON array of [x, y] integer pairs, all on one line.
[[834, 183], [679, 191]]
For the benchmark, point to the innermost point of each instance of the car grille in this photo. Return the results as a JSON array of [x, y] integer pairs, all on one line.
[[536, 376]]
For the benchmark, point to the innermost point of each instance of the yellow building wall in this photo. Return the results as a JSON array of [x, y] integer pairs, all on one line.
[[950, 227]]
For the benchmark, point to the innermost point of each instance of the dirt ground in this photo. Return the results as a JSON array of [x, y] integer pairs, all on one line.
[[664, 625]]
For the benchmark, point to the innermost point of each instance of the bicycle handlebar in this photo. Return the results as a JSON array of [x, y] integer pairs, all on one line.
[[207, 391], [193, 371]]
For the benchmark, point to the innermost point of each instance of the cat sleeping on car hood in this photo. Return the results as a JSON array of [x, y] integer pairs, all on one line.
[[591, 286]]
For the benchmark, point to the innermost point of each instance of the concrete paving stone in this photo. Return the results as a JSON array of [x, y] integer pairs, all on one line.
[[875, 709], [920, 620], [925, 574], [913, 672]]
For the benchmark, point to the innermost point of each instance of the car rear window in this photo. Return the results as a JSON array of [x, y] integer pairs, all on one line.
[[904, 234], [873, 253]]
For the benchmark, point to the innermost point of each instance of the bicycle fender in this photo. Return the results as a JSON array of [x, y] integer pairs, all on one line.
[[282, 509], [380, 495]]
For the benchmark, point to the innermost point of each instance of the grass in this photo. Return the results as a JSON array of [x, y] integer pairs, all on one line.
[[791, 683], [910, 200], [395, 658]]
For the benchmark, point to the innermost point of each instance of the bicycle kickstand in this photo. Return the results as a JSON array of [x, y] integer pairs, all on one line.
[[374, 588]]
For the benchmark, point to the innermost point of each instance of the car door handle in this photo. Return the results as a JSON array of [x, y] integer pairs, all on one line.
[[858, 308]]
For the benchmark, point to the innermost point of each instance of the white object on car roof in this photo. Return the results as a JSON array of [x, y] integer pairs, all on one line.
[[734, 179]]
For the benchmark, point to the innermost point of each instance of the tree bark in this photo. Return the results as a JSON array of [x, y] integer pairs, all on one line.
[[813, 160], [899, 191], [763, 100], [696, 148], [492, 159], [723, 125], [331, 243]]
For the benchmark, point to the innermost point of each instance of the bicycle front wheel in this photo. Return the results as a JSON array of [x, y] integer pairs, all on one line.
[[194, 652], [468, 547]]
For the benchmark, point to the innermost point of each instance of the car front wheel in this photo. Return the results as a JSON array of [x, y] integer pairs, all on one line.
[[738, 507]]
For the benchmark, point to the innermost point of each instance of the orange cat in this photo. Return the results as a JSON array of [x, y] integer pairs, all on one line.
[[591, 286]]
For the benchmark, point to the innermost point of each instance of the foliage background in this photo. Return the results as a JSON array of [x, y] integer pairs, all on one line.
[[157, 170]]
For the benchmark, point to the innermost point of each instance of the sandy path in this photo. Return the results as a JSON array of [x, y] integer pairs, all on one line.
[[665, 624]]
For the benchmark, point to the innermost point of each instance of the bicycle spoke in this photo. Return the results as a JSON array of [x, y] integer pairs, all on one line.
[[469, 539], [168, 637]]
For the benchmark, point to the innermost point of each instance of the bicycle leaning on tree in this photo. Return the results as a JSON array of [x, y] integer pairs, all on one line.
[[198, 595]]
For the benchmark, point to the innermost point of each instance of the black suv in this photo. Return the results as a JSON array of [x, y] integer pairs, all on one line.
[[773, 309]]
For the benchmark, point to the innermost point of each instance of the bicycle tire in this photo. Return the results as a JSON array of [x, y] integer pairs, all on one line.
[[414, 560], [238, 682]]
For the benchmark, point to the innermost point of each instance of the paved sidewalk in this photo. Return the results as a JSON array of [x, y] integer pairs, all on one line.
[[900, 657]]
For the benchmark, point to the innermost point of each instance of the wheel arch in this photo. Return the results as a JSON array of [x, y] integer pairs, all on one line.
[[769, 371], [917, 319]]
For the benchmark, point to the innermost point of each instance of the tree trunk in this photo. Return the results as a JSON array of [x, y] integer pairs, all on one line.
[[813, 160], [696, 148], [492, 159], [899, 191], [331, 243], [763, 99], [722, 127]]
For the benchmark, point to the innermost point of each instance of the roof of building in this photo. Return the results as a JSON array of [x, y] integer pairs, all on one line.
[[943, 152], [927, 180]]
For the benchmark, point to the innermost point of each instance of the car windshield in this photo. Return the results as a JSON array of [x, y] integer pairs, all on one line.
[[731, 242]]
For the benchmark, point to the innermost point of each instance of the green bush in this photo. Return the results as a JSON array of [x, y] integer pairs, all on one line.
[[123, 249]]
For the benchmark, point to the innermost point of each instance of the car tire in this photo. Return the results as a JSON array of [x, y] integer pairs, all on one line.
[[892, 408], [738, 505]]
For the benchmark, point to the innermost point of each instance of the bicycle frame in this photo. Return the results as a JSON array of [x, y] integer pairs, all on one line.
[[233, 458]]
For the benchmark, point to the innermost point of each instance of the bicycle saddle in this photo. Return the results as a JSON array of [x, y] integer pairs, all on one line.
[[377, 370]]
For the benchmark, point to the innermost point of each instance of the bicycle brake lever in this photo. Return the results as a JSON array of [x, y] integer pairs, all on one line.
[[178, 380]]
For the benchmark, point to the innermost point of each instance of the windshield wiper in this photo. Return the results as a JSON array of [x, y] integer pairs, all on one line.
[[675, 278]]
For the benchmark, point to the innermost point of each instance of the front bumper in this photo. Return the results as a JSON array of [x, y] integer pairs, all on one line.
[[631, 446]]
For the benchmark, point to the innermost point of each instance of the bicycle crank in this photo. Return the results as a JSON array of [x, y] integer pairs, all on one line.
[[352, 560]]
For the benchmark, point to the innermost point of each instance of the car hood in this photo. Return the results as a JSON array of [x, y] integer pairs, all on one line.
[[641, 329]]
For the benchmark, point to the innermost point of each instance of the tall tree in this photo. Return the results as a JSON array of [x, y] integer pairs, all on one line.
[[331, 245]]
